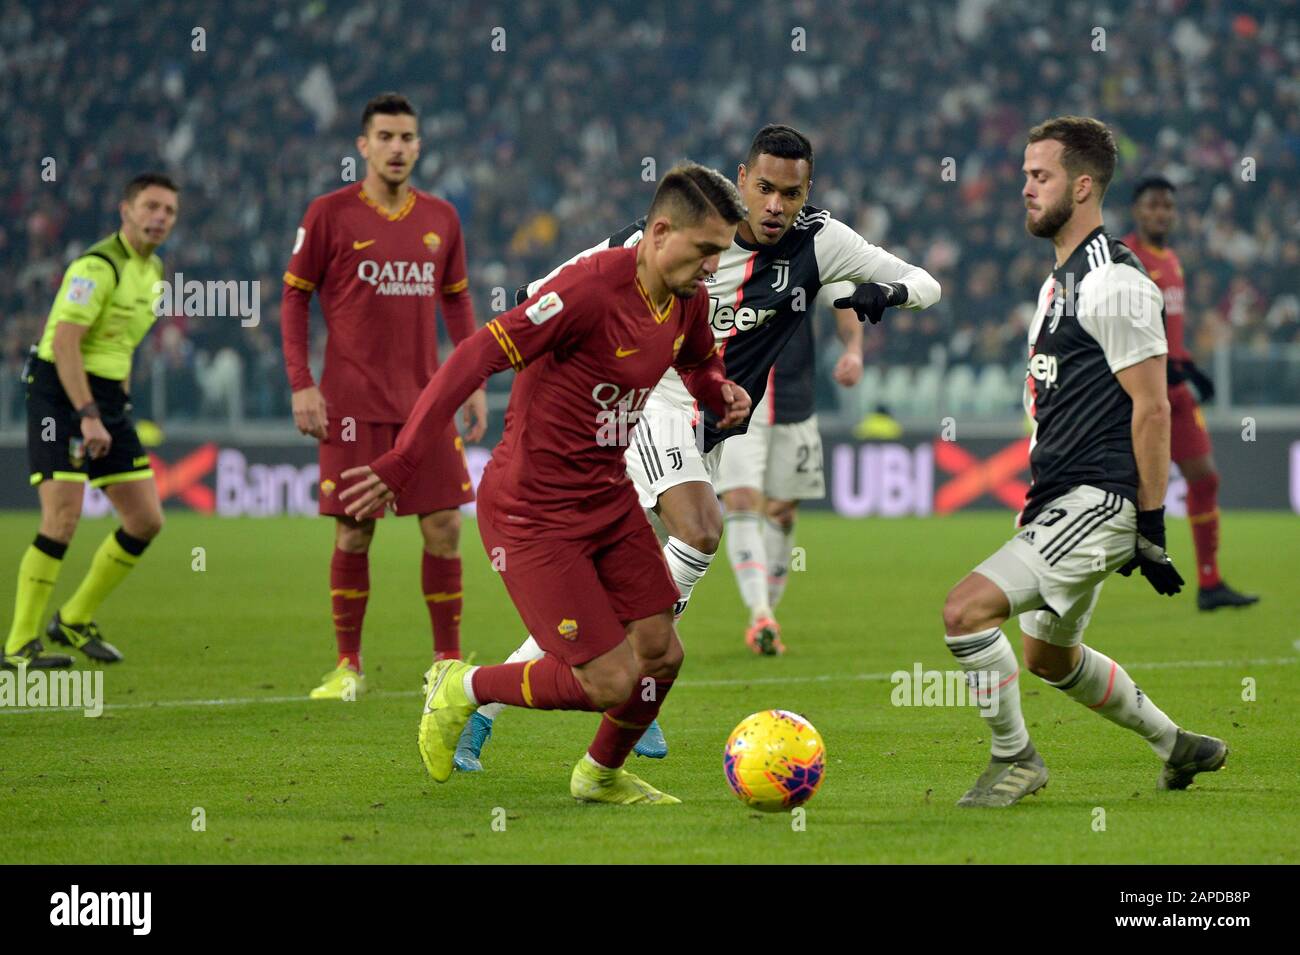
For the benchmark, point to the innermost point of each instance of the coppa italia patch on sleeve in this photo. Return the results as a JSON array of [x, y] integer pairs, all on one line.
[[80, 290], [545, 308]]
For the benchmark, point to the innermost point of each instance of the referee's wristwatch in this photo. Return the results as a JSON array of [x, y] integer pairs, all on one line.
[[88, 410]]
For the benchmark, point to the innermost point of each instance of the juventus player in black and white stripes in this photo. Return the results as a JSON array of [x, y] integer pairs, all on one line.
[[765, 286], [1099, 458], [765, 472]]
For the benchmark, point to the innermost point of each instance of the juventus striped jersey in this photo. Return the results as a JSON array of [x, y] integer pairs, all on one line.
[[1097, 314], [761, 294]]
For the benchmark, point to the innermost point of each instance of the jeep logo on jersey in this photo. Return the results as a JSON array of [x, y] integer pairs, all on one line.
[[398, 278], [1043, 368], [724, 318]]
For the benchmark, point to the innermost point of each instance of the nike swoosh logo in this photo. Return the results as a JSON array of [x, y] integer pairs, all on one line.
[[363, 245], [622, 352]]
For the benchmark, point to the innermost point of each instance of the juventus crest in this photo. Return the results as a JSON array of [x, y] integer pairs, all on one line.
[[782, 268]]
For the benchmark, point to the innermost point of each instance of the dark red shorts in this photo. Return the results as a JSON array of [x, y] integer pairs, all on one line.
[[577, 596], [1188, 437], [441, 483]]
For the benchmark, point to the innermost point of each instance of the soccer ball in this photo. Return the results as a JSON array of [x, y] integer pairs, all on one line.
[[774, 760]]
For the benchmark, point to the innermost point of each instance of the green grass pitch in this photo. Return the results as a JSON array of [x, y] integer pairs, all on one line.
[[282, 779]]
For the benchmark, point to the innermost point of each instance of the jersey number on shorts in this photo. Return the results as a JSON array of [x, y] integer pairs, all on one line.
[[804, 465]]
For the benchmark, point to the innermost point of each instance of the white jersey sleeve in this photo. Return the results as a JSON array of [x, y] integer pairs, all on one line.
[[1121, 308], [626, 237], [843, 255], [829, 293]]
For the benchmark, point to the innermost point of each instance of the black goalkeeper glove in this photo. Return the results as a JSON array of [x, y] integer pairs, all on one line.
[[1150, 557], [872, 298]]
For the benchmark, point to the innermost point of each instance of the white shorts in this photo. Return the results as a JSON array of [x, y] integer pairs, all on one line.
[[1053, 569], [784, 461], [664, 451]]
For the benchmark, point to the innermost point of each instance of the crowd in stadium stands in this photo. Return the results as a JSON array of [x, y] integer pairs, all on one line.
[[543, 145]]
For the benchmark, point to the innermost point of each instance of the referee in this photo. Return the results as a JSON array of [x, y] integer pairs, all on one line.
[[79, 427]]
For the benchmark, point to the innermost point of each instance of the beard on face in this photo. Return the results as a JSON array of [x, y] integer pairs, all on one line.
[[1157, 236], [1053, 218]]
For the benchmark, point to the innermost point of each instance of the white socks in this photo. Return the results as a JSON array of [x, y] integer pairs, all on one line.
[[777, 545], [687, 566], [467, 684], [528, 650], [748, 554], [1102, 685], [994, 675]]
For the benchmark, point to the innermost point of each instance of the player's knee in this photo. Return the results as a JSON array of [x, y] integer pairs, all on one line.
[[957, 614], [1207, 483], [670, 664], [742, 499], [1047, 668], [353, 537], [704, 533], [611, 688], [441, 532], [59, 522], [61, 525], [663, 662], [145, 526], [781, 513]]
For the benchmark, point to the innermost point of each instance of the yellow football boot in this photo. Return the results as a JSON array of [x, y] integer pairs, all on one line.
[[591, 783], [446, 711], [341, 683]]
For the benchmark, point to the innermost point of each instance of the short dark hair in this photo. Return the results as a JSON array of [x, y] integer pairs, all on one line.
[[784, 142], [146, 179], [689, 193], [1089, 147], [1150, 182], [389, 104]]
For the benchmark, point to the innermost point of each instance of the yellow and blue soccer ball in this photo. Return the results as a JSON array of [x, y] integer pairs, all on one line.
[[774, 760]]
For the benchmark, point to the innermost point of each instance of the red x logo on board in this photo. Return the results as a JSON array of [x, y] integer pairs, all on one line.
[[183, 478], [975, 478]]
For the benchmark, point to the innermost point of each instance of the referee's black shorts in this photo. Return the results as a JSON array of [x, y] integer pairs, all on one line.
[[55, 448]]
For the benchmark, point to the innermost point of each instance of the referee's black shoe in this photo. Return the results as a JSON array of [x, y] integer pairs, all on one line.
[[35, 657], [84, 637], [1221, 595]]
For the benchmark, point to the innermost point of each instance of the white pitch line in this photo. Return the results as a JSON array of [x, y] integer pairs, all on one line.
[[764, 680]]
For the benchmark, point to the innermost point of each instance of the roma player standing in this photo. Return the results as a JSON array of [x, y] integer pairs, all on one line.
[[381, 256], [1153, 219]]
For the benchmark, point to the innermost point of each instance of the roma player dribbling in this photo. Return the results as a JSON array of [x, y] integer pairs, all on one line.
[[557, 512]]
